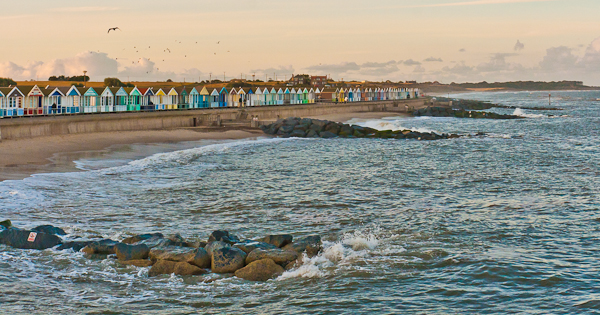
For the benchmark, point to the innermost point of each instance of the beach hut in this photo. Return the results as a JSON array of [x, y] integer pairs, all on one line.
[[13, 98], [73, 100], [34, 100], [223, 93], [90, 99], [204, 97], [160, 97], [241, 95], [134, 99], [249, 96], [266, 96], [56, 96], [121, 99], [257, 97], [172, 99], [312, 95], [305, 93], [3, 101], [279, 97], [107, 100], [147, 99], [182, 97], [233, 98], [214, 97], [194, 100]]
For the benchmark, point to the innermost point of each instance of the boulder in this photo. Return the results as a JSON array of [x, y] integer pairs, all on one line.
[[201, 258], [74, 245], [320, 123], [279, 256], [315, 127], [247, 246], [223, 236], [291, 121], [103, 247], [301, 127], [312, 134], [310, 244], [306, 121], [141, 237], [260, 270], [5, 224], [49, 229], [167, 267], [137, 262], [346, 131], [131, 252], [210, 247], [298, 133], [172, 253], [24, 239], [156, 241], [278, 240], [284, 130], [327, 134], [227, 260], [333, 128]]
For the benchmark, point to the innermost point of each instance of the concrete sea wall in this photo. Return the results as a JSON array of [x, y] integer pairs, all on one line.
[[29, 127]]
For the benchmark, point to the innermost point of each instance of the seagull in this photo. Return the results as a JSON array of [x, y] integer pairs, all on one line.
[[218, 42], [168, 50], [113, 29]]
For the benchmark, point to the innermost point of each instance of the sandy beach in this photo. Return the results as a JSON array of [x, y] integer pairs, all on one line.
[[24, 157]]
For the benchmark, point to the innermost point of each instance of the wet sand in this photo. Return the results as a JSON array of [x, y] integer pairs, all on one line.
[[23, 157]]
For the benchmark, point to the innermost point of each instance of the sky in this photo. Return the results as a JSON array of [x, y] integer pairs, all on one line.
[[397, 40]]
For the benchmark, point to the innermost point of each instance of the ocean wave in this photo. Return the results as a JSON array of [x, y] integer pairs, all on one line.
[[352, 247], [519, 112], [183, 157], [392, 125]]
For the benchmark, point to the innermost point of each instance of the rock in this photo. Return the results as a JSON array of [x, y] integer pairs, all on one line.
[[346, 131], [227, 260], [201, 258], [310, 244], [173, 253], [279, 240], [131, 252], [285, 130], [315, 127], [210, 247], [358, 134], [24, 239], [327, 134], [279, 256], [291, 121], [298, 133], [175, 238], [186, 269], [301, 127], [312, 134], [6, 223], [74, 245], [156, 241], [141, 237], [260, 270], [306, 121], [320, 123], [223, 236], [248, 246], [333, 128], [167, 267], [291, 265], [137, 262], [103, 247], [49, 229]]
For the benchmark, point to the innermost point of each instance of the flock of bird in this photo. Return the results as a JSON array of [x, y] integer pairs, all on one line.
[[166, 50]]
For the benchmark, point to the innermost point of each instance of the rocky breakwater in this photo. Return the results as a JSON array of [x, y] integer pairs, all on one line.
[[224, 253], [460, 113], [315, 128]]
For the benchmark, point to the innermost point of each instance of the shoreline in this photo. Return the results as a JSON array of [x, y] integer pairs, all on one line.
[[25, 157]]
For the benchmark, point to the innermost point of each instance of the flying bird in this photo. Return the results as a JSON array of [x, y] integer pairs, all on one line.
[[113, 29], [218, 42]]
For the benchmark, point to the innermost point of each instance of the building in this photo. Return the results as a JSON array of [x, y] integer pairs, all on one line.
[[318, 80], [300, 79]]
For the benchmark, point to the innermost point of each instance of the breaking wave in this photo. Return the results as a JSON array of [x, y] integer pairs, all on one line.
[[392, 125], [519, 112]]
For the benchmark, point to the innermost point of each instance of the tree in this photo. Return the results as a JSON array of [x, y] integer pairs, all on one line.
[[169, 80], [7, 82], [113, 82]]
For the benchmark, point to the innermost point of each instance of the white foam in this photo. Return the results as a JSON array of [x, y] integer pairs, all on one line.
[[392, 125], [353, 246], [519, 112], [183, 157]]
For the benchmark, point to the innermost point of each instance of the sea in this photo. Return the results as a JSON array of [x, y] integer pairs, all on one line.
[[504, 220]]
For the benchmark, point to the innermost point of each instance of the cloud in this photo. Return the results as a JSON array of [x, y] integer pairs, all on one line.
[[339, 68], [84, 9], [470, 3], [419, 69], [498, 63], [462, 50], [432, 59], [558, 59], [519, 46], [355, 70], [411, 62], [279, 72]]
